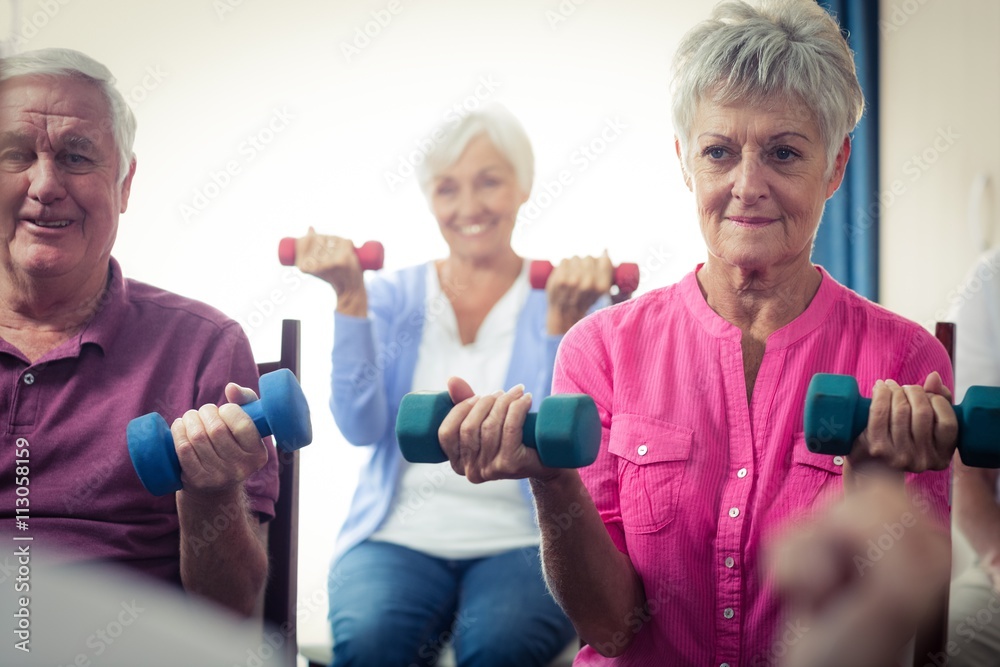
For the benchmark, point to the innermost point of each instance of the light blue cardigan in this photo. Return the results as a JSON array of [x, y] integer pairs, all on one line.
[[373, 364]]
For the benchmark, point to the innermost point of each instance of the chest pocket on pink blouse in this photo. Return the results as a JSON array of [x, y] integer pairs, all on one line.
[[652, 455], [817, 476]]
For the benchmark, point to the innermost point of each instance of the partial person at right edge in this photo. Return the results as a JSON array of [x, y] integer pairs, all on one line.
[[974, 606], [425, 558]]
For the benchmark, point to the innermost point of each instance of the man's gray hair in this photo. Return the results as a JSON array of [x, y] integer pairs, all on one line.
[[70, 63], [781, 48]]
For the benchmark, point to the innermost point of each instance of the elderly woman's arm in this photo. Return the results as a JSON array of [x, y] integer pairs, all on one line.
[[589, 577]]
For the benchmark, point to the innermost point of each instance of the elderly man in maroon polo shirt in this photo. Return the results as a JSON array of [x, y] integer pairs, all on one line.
[[83, 350]]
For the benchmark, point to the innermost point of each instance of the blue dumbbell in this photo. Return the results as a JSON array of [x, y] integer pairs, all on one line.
[[281, 411], [836, 414], [566, 430]]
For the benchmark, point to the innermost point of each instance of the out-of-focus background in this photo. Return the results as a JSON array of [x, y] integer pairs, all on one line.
[[258, 119]]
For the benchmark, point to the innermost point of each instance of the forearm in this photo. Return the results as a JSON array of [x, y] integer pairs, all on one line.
[[222, 555], [976, 511], [358, 396], [589, 577]]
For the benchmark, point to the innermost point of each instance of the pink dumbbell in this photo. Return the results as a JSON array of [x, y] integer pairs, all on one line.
[[370, 255], [626, 276]]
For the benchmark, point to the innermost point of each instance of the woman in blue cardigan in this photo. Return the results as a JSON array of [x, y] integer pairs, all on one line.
[[426, 558]]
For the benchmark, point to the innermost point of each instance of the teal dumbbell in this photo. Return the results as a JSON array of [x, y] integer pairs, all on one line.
[[281, 411], [566, 430], [836, 414]]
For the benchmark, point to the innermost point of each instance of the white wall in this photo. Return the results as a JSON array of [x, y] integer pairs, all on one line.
[[208, 76], [940, 132], [940, 129]]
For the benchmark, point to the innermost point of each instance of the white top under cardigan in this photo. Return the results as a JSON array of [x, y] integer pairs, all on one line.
[[435, 510]]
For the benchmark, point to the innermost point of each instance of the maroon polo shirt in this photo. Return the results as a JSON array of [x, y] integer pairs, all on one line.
[[146, 350]]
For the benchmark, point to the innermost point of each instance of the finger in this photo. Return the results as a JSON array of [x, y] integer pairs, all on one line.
[[449, 432], [607, 272], [876, 435], [491, 454], [220, 425], [935, 385], [199, 450], [187, 454], [900, 423], [512, 437], [240, 435], [924, 454], [470, 432], [945, 429], [239, 395], [459, 389]]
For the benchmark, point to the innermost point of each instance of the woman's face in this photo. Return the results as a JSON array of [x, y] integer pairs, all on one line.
[[759, 176], [476, 199]]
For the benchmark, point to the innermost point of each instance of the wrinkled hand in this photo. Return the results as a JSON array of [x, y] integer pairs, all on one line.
[[481, 436], [910, 428], [857, 581], [333, 259], [573, 287], [218, 446]]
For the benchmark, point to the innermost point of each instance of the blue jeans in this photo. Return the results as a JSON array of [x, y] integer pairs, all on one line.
[[393, 606]]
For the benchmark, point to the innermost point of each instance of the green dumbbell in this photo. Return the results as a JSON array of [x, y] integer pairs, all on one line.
[[566, 430], [836, 414]]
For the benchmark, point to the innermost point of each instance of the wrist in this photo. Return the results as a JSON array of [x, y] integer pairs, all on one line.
[[561, 321], [353, 303], [227, 500]]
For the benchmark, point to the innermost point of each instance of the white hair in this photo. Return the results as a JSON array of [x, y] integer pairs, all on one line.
[[70, 63], [496, 122], [746, 54]]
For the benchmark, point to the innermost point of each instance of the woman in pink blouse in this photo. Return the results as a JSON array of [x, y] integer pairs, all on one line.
[[654, 551]]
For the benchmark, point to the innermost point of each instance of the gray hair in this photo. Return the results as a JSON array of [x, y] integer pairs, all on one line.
[[69, 63], [745, 54], [496, 122]]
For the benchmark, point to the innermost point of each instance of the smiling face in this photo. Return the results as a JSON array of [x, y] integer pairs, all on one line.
[[60, 194], [476, 200], [760, 180]]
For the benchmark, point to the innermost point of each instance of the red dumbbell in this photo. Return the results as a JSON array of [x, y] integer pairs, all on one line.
[[626, 276], [370, 255]]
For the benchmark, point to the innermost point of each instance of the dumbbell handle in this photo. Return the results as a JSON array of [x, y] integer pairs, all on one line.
[[859, 423], [978, 419], [422, 413], [626, 275], [151, 443], [370, 255]]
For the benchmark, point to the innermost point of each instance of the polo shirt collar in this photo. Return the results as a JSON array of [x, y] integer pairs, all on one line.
[[104, 327]]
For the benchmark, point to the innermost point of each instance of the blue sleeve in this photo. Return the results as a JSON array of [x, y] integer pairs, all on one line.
[[359, 397]]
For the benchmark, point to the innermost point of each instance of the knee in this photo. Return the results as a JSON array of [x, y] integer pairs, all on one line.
[[364, 642]]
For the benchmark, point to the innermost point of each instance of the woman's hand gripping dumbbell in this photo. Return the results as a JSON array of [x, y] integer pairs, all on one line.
[[917, 427], [576, 284], [336, 261], [565, 432], [625, 276], [234, 453]]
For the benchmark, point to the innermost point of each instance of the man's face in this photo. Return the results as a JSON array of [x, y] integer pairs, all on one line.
[[60, 195]]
